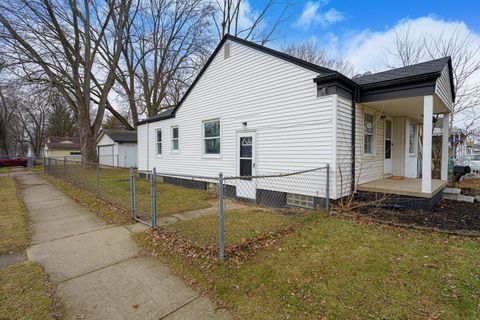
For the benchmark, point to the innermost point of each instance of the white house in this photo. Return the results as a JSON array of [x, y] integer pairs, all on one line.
[[294, 115], [117, 148]]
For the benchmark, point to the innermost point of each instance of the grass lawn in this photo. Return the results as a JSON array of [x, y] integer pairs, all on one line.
[[238, 226], [25, 293], [4, 170], [332, 268], [115, 188], [13, 226]]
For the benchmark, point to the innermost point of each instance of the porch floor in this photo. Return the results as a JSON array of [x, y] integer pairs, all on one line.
[[407, 187]]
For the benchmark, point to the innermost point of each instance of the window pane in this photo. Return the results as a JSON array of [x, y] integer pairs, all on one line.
[[175, 133], [411, 144], [212, 146], [245, 167], [246, 147], [368, 123], [175, 144], [368, 144], [388, 129], [212, 129], [388, 149], [159, 148], [159, 135]]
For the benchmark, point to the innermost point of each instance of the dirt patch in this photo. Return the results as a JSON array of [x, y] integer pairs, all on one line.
[[446, 215], [470, 192]]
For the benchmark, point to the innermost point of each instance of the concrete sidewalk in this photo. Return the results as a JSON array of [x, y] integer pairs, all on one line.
[[95, 265]]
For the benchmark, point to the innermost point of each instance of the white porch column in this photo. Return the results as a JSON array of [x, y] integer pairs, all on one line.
[[427, 144], [445, 134]]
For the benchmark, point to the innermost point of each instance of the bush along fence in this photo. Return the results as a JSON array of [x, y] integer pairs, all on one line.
[[159, 198]]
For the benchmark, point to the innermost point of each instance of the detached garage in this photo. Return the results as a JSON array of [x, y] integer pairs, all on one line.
[[117, 148]]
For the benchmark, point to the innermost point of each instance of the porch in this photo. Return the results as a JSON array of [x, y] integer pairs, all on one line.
[[402, 186]]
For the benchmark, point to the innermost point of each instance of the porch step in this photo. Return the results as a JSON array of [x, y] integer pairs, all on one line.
[[458, 197], [451, 191]]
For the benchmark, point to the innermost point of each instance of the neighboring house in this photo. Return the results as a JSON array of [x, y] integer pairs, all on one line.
[[117, 148], [61, 147], [296, 115]]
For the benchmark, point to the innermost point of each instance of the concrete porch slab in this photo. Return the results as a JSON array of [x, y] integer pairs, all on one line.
[[406, 187]]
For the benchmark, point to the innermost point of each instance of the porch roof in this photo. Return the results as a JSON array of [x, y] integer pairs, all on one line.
[[405, 186]]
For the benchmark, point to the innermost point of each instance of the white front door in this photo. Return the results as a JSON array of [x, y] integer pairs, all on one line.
[[246, 167], [387, 160]]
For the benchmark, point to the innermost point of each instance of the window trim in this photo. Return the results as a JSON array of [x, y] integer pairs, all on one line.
[[157, 142], [172, 150], [373, 134], [211, 155]]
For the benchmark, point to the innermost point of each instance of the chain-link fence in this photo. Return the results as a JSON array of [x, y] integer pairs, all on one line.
[[211, 212]]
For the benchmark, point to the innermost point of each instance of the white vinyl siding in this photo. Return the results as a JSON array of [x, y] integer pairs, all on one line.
[[277, 99], [369, 167], [442, 88]]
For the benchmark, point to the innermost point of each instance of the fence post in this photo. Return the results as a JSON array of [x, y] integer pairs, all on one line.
[[97, 180], [132, 191], [327, 204], [65, 169], [44, 164], [153, 197], [221, 216]]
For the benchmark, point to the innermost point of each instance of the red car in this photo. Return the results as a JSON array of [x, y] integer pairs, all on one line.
[[8, 161]]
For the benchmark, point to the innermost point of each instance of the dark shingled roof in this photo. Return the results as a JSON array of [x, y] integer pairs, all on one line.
[[169, 113], [426, 71], [121, 135], [58, 143], [421, 69]]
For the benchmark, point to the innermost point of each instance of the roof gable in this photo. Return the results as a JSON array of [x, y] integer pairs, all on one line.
[[170, 113], [120, 136]]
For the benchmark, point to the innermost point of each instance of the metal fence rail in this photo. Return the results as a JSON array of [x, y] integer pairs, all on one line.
[[153, 196]]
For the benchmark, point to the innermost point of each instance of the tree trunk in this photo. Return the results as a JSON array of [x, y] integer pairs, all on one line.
[[88, 144]]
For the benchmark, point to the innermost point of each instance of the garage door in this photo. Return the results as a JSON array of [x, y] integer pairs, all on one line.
[[105, 155]]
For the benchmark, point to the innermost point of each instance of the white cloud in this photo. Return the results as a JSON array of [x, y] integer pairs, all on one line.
[[367, 49], [312, 14]]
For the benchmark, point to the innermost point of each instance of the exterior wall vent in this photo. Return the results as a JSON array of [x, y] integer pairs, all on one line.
[[226, 50]]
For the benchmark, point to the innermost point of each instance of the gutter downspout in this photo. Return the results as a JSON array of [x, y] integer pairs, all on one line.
[[148, 146], [354, 115]]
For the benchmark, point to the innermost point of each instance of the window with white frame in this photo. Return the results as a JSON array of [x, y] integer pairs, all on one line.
[[175, 138], [412, 140], [211, 137], [368, 133], [159, 141]]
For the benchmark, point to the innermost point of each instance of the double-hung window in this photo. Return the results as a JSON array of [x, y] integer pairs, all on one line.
[[368, 133], [211, 137], [175, 135], [159, 141]]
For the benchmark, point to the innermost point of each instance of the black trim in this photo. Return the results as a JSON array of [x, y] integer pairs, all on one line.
[[405, 90]]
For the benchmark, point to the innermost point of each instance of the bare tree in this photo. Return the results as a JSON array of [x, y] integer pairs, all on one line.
[[237, 18], [61, 42], [465, 53], [8, 108], [310, 51], [61, 120], [160, 57], [32, 118]]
